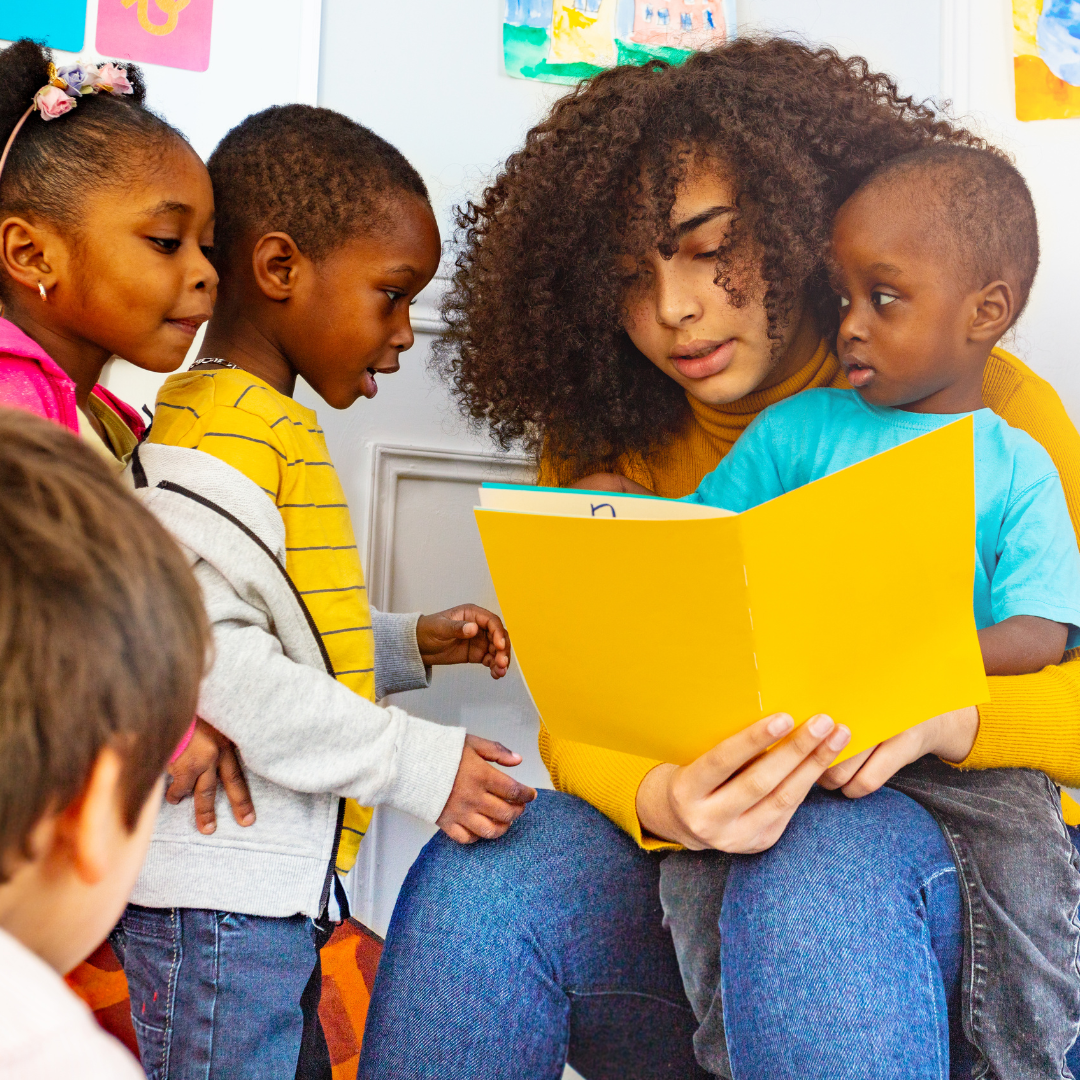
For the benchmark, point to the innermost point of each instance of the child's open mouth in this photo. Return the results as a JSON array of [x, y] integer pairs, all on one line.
[[859, 374], [368, 386]]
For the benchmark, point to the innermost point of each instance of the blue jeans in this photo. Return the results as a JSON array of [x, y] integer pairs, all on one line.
[[507, 959], [216, 995]]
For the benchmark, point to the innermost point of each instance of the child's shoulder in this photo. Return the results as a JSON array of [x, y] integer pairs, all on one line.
[[1010, 451], [197, 404]]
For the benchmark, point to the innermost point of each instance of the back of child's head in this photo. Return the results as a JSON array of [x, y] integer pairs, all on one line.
[[102, 632], [309, 172], [977, 208], [53, 165]]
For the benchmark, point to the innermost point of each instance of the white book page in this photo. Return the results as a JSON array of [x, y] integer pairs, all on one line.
[[573, 502]]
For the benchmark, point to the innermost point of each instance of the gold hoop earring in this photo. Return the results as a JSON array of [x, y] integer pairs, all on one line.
[[42, 293]]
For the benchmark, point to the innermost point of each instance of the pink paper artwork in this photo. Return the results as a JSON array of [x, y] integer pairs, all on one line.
[[173, 33]]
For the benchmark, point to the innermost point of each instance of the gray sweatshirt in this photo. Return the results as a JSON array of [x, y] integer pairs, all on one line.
[[306, 740]]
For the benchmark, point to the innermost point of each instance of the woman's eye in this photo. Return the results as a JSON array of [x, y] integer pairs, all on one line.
[[391, 295], [881, 298], [710, 255], [844, 303], [207, 250], [165, 243]]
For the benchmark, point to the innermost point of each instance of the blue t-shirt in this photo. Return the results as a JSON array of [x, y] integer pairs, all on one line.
[[1026, 558]]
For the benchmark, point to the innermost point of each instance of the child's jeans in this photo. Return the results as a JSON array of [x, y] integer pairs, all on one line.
[[217, 995]]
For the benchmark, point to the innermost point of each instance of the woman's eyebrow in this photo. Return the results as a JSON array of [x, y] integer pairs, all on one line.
[[698, 220]]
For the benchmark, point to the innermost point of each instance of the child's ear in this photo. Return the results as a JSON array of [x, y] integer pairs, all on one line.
[[88, 830], [276, 262], [995, 309], [26, 253]]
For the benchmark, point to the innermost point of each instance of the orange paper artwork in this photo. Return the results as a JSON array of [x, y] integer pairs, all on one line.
[[1046, 58]]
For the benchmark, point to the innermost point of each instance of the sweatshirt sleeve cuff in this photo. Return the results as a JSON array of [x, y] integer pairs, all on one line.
[[398, 666], [428, 756]]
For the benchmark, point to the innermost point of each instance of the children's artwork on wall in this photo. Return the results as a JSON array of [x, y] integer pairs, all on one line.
[[61, 24], [174, 33], [1046, 59], [563, 41]]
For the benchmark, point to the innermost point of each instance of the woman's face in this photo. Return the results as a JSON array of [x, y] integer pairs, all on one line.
[[687, 325]]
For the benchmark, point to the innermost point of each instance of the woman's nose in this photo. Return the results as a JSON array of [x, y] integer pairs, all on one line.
[[676, 304]]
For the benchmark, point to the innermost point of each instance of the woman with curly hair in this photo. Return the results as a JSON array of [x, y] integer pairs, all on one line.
[[642, 279]]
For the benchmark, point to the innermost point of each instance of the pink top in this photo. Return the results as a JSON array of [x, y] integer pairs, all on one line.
[[31, 380]]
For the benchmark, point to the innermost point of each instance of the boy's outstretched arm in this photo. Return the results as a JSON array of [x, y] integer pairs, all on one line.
[[484, 802], [466, 634]]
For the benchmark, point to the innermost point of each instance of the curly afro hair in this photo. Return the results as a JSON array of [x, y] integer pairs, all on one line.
[[310, 172], [535, 349], [54, 165]]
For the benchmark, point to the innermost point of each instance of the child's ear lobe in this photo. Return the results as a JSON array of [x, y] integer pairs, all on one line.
[[994, 312], [23, 253], [275, 261], [92, 825]]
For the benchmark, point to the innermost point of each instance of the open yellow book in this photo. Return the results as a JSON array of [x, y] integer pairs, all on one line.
[[659, 628]]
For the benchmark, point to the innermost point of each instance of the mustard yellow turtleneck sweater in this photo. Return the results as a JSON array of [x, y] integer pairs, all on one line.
[[1031, 721]]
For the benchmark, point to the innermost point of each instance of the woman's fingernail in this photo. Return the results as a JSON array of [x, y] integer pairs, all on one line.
[[780, 725], [839, 738], [820, 726]]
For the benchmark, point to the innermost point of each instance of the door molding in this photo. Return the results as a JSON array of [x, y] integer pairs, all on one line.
[[391, 463]]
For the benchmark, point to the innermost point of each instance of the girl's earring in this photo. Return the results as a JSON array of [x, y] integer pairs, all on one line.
[[41, 292]]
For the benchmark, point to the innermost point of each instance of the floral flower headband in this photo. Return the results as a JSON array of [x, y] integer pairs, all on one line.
[[64, 88]]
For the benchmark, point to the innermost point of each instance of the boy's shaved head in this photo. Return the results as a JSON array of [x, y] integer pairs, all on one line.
[[978, 209], [309, 172]]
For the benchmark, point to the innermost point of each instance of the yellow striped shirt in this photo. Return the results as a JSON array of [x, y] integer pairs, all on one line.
[[279, 445]]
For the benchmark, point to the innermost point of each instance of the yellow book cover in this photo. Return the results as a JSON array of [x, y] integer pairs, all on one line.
[[659, 628]]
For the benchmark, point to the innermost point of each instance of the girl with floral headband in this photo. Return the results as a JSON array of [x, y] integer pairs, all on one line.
[[106, 218]]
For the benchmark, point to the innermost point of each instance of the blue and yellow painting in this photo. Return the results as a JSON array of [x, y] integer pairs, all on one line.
[[565, 41], [1046, 59]]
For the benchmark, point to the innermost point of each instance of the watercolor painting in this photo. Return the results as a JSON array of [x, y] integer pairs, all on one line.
[[1046, 59], [173, 33], [61, 24], [564, 41]]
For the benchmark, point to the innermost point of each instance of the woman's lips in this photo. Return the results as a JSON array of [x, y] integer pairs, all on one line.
[[711, 363]]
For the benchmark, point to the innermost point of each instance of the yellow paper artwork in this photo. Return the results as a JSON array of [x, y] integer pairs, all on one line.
[[1046, 59], [661, 636]]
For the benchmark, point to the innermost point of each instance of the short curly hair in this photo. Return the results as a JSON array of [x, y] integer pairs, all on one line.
[[977, 206], [534, 347], [310, 172]]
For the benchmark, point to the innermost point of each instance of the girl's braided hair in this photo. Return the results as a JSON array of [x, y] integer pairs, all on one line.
[[54, 165], [535, 348]]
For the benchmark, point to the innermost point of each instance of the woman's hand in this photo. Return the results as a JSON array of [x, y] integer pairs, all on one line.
[[950, 735], [464, 635], [720, 801], [208, 758]]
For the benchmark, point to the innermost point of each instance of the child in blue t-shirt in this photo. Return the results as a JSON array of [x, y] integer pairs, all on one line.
[[933, 259]]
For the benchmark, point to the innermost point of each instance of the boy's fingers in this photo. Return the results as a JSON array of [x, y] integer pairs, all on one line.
[[180, 787], [499, 810], [204, 796], [236, 789], [507, 788], [490, 750], [459, 834]]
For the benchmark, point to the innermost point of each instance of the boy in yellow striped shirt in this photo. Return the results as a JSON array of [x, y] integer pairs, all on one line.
[[324, 236]]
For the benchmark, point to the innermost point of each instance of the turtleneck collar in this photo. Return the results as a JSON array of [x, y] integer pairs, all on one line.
[[727, 422]]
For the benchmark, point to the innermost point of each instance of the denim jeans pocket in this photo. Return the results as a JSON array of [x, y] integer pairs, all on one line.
[[152, 956]]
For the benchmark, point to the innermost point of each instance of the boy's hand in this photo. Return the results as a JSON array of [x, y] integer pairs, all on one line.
[[484, 802], [465, 635], [208, 758]]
